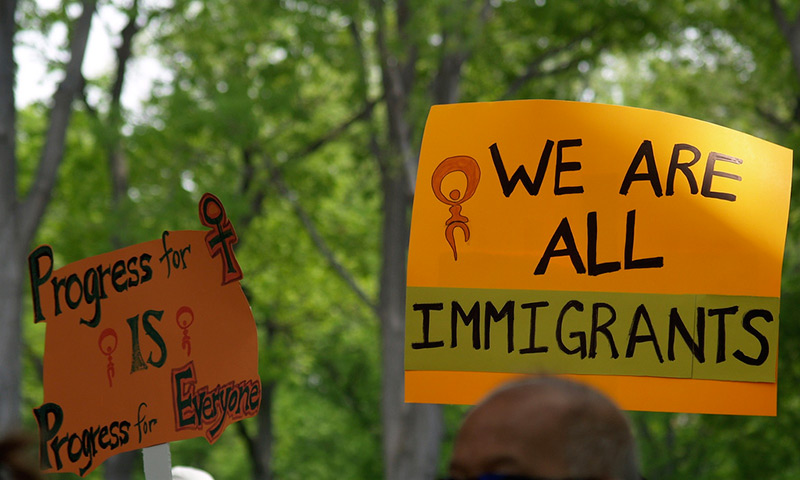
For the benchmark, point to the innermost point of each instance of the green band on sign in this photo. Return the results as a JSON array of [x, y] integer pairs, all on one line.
[[709, 337]]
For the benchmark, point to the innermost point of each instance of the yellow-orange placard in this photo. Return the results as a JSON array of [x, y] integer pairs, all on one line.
[[144, 345], [636, 250]]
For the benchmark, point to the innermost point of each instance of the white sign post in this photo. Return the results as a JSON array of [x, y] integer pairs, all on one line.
[[157, 462]]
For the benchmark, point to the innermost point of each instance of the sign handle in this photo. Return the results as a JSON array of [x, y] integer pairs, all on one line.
[[157, 462]]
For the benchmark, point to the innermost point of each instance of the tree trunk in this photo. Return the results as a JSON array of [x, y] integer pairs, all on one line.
[[11, 274], [10, 261], [21, 220], [121, 466], [412, 433], [262, 453]]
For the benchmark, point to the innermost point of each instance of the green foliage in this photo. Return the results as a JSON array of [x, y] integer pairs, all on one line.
[[258, 111]]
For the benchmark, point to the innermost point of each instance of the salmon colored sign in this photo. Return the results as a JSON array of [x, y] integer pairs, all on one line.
[[144, 345], [636, 250]]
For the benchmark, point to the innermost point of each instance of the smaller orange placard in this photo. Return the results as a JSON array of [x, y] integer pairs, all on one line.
[[144, 345]]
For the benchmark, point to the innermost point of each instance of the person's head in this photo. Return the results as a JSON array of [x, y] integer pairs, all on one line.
[[545, 427]]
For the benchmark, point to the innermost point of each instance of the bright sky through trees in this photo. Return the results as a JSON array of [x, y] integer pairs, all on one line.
[[35, 49]]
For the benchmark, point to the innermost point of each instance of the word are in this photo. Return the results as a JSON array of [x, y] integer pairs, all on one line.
[[579, 329], [77, 446], [212, 409], [90, 287]]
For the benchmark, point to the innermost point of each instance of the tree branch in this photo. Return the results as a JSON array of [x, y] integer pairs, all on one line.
[[346, 392], [456, 51], [124, 53], [308, 224], [260, 193], [407, 69], [396, 95], [90, 109], [276, 180], [53, 151], [117, 163], [241, 428], [334, 133], [780, 18], [364, 88], [534, 68], [776, 121], [791, 32]]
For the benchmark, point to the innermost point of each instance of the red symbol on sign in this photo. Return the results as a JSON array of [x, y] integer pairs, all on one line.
[[185, 318], [221, 238], [107, 348], [469, 167]]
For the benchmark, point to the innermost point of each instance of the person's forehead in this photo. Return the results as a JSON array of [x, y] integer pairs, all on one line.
[[518, 418], [510, 434], [528, 404]]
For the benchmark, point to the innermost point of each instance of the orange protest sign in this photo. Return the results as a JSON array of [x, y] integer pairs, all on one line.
[[625, 246], [144, 345]]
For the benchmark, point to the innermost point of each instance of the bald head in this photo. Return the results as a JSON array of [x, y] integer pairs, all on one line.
[[546, 427]]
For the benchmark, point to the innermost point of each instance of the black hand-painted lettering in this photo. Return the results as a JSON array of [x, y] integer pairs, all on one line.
[[645, 152], [137, 361], [721, 312], [563, 232], [711, 172], [155, 336], [602, 328], [630, 262], [520, 175], [763, 352], [92, 293], [491, 315], [685, 168], [49, 417], [38, 278], [532, 348], [634, 338], [591, 254], [473, 317], [581, 336], [676, 323], [562, 166], [426, 342]]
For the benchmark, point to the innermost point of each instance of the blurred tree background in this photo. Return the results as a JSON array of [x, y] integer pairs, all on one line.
[[305, 118]]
